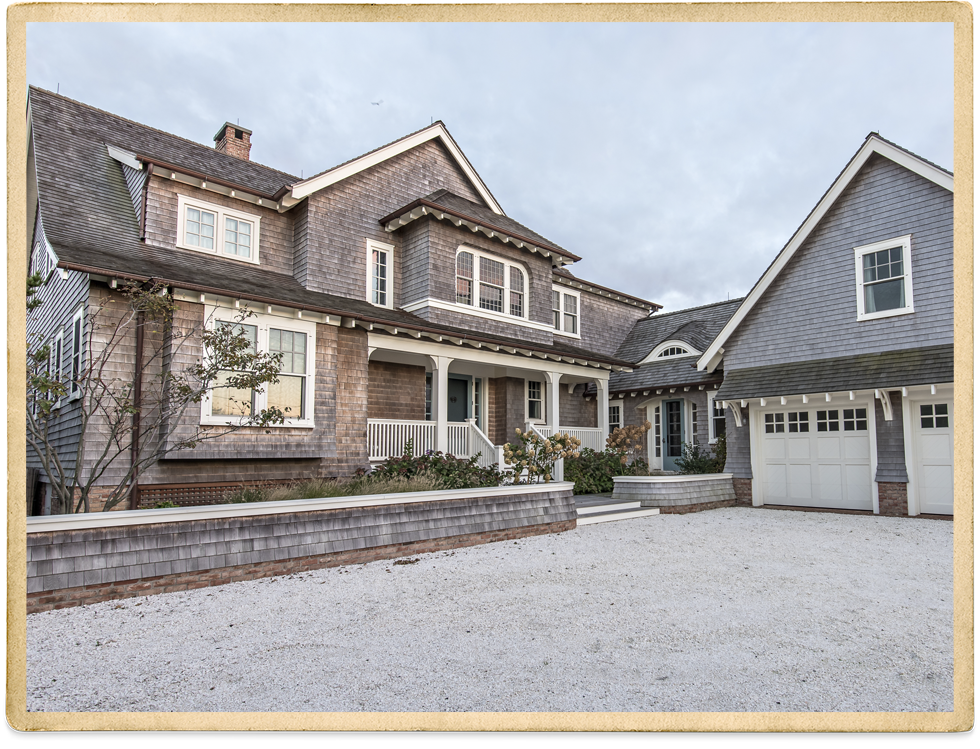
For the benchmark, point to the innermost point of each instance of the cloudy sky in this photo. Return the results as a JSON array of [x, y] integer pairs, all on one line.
[[676, 159]]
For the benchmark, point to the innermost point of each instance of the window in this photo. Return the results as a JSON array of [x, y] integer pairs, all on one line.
[[428, 396], [217, 230], [565, 306], [716, 420], [855, 419], [668, 350], [775, 423], [379, 259], [77, 344], [477, 401], [656, 431], [884, 278], [798, 422], [615, 418], [56, 365], [934, 416], [294, 341], [535, 401], [500, 287], [673, 351], [828, 421]]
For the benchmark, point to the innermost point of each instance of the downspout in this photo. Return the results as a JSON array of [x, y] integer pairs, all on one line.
[[134, 493]]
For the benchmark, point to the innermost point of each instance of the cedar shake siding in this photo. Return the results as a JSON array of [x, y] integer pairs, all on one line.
[[276, 242], [603, 323], [890, 441], [810, 310], [343, 216], [396, 391], [574, 410], [739, 456]]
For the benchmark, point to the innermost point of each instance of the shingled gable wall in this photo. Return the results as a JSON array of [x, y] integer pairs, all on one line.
[[603, 323]]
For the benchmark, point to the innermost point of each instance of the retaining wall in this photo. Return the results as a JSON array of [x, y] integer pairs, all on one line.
[[677, 494], [79, 559]]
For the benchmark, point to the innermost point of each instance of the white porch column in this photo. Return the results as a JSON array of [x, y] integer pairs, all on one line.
[[553, 411], [440, 399], [602, 404]]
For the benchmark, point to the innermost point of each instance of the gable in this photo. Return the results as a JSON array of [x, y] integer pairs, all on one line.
[[874, 149], [809, 310]]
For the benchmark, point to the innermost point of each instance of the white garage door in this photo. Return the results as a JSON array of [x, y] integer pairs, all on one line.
[[817, 457], [932, 434]]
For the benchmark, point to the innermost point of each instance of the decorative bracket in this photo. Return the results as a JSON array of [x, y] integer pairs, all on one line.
[[736, 412], [886, 404]]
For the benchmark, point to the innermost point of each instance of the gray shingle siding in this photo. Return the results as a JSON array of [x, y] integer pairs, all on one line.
[[890, 441], [739, 455], [810, 310], [135, 180]]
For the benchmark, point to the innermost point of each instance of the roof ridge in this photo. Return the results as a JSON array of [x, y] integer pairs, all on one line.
[[661, 315], [158, 130], [881, 137]]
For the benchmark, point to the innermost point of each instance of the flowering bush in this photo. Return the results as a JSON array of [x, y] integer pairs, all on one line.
[[593, 471], [538, 455], [625, 441]]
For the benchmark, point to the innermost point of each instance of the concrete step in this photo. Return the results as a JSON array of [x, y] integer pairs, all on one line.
[[606, 517], [619, 507]]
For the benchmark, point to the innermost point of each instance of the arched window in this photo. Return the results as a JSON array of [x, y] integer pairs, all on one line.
[[673, 351], [490, 284]]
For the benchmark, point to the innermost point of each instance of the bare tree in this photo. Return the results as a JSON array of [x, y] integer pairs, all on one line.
[[131, 408]]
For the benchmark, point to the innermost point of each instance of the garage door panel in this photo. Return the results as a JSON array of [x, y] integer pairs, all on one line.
[[774, 449], [936, 447], [828, 448], [858, 485], [831, 484], [798, 448], [800, 482], [857, 448], [776, 480], [936, 487]]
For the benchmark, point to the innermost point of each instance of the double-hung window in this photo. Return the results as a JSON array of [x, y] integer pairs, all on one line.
[[380, 261], [565, 310], [294, 341], [884, 278], [77, 353], [535, 401], [217, 230], [491, 285], [716, 420], [615, 418]]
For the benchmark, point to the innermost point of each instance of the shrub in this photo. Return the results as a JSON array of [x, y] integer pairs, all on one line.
[[451, 472], [697, 459], [244, 494], [537, 455], [593, 471], [164, 505], [625, 441], [348, 487]]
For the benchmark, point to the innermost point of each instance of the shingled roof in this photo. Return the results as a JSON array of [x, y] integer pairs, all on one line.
[[89, 221]]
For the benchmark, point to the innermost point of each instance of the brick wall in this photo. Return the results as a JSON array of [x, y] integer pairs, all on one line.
[[71, 567], [396, 391], [893, 499], [743, 490]]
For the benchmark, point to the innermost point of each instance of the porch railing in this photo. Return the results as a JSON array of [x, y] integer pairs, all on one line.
[[480, 443], [459, 439], [387, 437], [588, 436]]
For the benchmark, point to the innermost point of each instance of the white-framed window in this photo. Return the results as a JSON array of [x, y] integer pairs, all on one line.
[[380, 262], [56, 354], [669, 350], [217, 230], [716, 420], [295, 341], [884, 278], [566, 308], [77, 354], [656, 431], [535, 400], [615, 417], [490, 284], [694, 423]]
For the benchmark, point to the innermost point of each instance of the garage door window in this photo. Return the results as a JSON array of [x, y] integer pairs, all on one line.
[[855, 419], [934, 416], [775, 424], [828, 421], [799, 422]]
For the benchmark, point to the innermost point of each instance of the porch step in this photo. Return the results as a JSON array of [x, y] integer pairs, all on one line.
[[610, 512]]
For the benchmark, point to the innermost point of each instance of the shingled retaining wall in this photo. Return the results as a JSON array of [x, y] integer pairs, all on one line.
[[677, 494], [79, 559]]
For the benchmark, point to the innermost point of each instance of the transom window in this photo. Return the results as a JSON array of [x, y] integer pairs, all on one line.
[[379, 259], [217, 230], [673, 351], [934, 415], [293, 341], [565, 310], [490, 284], [884, 278]]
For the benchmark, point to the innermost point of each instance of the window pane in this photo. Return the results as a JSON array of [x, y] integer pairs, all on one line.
[[229, 401], [516, 304], [516, 280], [199, 228], [491, 298], [464, 291], [884, 296], [287, 396], [491, 271], [379, 275], [464, 265], [556, 309], [251, 332]]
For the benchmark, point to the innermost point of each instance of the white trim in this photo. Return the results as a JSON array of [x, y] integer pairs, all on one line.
[[125, 157], [859, 252], [654, 355], [466, 309], [872, 145], [85, 520], [301, 189], [184, 202], [215, 314], [389, 249], [565, 290], [79, 338], [673, 479], [712, 437]]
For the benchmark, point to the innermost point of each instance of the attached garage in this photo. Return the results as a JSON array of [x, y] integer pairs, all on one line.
[[815, 457]]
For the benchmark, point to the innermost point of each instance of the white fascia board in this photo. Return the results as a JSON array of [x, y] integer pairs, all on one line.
[[124, 157], [483, 356], [307, 187], [873, 145]]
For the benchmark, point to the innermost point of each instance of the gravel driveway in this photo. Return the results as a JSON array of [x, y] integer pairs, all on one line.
[[727, 610]]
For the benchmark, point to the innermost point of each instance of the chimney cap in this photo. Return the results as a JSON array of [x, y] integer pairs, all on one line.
[[224, 129]]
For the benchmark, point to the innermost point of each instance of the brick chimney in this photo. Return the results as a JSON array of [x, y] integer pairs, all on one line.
[[233, 140]]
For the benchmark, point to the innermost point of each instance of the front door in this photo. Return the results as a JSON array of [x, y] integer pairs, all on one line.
[[459, 400], [673, 433]]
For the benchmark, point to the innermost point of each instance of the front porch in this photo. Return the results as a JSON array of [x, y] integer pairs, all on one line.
[[472, 403]]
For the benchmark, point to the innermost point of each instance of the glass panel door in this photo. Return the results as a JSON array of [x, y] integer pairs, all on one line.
[[673, 433]]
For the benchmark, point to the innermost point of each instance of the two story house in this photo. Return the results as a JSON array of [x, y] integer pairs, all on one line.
[[404, 302]]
